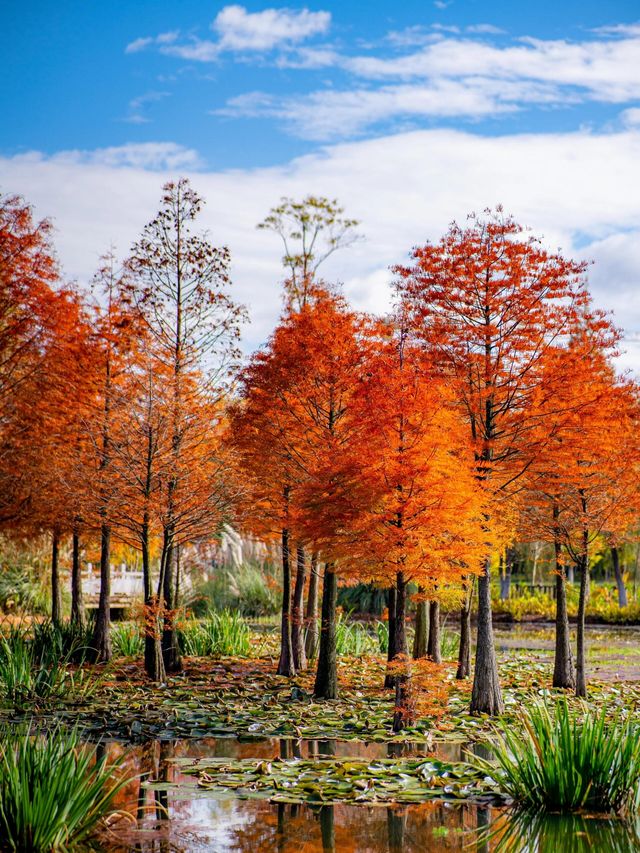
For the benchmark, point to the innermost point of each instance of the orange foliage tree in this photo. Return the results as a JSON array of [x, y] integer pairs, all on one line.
[[586, 484], [489, 304], [294, 432]]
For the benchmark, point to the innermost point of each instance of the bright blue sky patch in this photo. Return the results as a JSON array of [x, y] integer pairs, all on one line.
[[252, 85]]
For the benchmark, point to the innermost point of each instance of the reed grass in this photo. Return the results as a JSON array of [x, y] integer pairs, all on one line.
[[53, 791], [223, 633], [567, 760]]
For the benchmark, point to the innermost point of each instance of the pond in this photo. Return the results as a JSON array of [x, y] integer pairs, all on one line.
[[174, 815]]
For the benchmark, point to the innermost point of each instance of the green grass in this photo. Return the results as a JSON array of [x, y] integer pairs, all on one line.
[[53, 792], [353, 638], [31, 678], [127, 639], [223, 633], [566, 760], [55, 641], [449, 645]]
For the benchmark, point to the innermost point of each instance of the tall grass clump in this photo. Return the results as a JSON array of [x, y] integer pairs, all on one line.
[[127, 639], [449, 643], [28, 680], [53, 791], [564, 761], [382, 631], [353, 638], [55, 641], [223, 633]]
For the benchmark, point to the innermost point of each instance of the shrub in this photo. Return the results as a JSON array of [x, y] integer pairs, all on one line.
[[53, 793], [245, 588], [223, 633], [22, 590], [565, 761], [363, 598]]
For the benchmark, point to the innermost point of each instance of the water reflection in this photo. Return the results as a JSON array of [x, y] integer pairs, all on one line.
[[191, 820], [526, 833]]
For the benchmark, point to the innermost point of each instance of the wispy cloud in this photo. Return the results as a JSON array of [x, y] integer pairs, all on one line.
[[142, 43], [323, 114], [150, 156], [137, 107]]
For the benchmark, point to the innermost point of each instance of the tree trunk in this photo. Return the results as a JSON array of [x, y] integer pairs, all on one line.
[[622, 592], [311, 639], [170, 648], [396, 826], [297, 611], [422, 628], [153, 660], [391, 650], [403, 714], [56, 592], [505, 575], [400, 644], [486, 697], [433, 644], [581, 676], [326, 685], [327, 829], [464, 649], [78, 615], [563, 674], [101, 642], [285, 664]]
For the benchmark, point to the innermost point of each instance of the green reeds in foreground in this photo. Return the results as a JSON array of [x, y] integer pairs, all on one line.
[[566, 760], [53, 791]]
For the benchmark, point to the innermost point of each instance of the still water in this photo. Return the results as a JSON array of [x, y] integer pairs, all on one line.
[[184, 819], [181, 818]]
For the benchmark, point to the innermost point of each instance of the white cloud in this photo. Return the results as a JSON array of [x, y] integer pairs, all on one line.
[[619, 30], [607, 70], [452, 77], [631, 117], [485, 29], [137, 106], [572, 189], [326, 114], [242, 30], [146, 41], [143, 155]]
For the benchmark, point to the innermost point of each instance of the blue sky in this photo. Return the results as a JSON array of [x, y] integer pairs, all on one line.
[[411, 114], [85, 74]]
